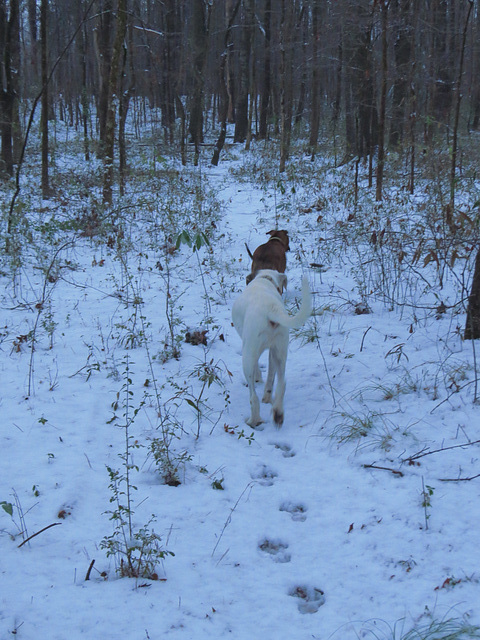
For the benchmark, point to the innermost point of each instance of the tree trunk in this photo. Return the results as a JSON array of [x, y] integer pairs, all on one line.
[[241, 106], [472, 325], [9, 55], [265, 97], [103, 46], [383, 101], [45, 98], [403, 52], [199, 44], [113, 96], [224, 97], [286, 89], [453, 169], [315, 86]]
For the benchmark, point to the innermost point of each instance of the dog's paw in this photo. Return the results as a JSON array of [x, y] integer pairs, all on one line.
[[255, 423], [278, 417], [267, 397]]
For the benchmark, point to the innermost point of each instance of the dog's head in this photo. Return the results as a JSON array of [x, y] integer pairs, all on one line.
[[282, 235], [279, 280]]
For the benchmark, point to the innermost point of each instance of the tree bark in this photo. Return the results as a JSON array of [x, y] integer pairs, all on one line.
[[265, 97], [9, 56], [472, 325], [103, 46], [286, 90], [113, 96], [383, 101], [45, 98], [224, 97], [315, 86], [241, 106], [199, 43]]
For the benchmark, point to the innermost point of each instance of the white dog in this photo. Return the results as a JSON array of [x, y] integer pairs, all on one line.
[[261, 320]]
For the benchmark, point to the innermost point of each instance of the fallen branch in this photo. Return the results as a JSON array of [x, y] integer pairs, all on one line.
[[459, 479], [423, 453], [87, 577], [54, 524], [374, 466]]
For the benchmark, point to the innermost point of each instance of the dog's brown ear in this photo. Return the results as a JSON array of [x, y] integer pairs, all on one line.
[[272, 232]]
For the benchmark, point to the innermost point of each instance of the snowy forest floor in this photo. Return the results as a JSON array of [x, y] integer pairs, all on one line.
[[123, 395]]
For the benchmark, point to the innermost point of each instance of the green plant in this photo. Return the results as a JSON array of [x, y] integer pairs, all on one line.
[[168, 460], [449, 629], [10, 509], [196, 242], [426, 501], [137, 552], [208, 373]]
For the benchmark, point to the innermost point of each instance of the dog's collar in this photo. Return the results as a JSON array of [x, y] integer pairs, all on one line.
[[275, 238], [270, 279]]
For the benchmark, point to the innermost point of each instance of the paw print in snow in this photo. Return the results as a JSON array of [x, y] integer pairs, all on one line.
[[311, 598]]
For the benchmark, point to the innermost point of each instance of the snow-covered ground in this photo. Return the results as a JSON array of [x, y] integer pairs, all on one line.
[[302, 532]]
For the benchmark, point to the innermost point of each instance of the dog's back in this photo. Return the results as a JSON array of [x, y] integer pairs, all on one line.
[[271, 254]]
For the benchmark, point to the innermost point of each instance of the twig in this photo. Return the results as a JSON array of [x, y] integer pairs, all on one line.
[[54, 524], [229, 519], [374, 466], [467, 384], [459, 479], [363, 339], [416, 456], [87, 577]]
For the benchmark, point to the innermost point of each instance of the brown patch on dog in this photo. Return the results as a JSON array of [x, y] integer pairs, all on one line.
[[270, 255]]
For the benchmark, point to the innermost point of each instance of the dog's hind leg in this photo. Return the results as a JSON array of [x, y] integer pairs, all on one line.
[[272, 369], [250, 368], [280, 356]]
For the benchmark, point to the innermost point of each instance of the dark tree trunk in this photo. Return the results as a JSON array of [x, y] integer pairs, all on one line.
[[458, 98], [113, 97], [199, 44], [169, 70], [45, 98], [403, 52], [286, 89], [9, 55], [315, 87], [241, 104], [224, 97], [302, 36], [472, 325], [383, 101], [103, 45], [265, 97]]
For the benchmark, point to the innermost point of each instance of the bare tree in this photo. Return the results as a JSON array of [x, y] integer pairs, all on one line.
[[384, 4], [199, 44], [9, 65], [266, 88], [113, 97], [45, 97], [472, 325], [231, 12]]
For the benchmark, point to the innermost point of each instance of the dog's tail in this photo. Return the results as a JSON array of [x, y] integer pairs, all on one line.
[[280, 316], [248, 251]]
